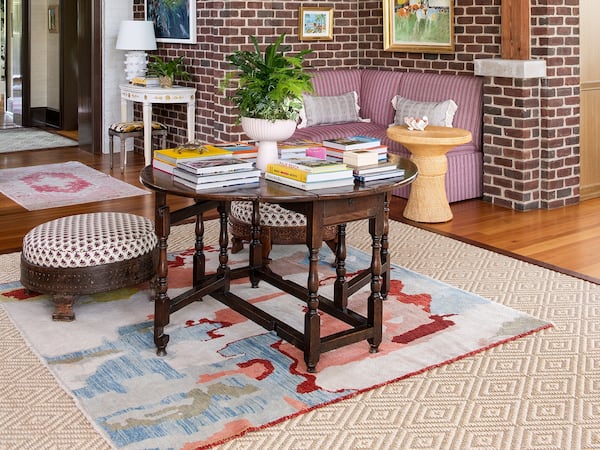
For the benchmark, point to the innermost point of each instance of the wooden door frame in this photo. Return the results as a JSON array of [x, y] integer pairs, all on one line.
[[90, 106]]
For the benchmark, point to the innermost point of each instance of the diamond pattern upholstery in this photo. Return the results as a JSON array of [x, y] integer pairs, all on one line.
[[270, 215], [86, 240]]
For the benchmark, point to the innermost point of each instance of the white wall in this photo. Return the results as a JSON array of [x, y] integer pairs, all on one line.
[[114, 11], [39, 55]]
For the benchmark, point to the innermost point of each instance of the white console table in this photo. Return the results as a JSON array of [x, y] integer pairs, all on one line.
[[148, 96]]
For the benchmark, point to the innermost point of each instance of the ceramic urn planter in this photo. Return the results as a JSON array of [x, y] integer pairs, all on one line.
[[267, 133]]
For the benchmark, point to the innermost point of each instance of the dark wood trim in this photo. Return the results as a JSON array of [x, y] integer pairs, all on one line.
[[69, 104], [97, 77], [26, 65], [45, 117], [89, 17]]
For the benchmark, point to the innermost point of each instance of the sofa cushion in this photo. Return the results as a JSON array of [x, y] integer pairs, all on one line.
[[329, 109], [438, 113], [467, 93]]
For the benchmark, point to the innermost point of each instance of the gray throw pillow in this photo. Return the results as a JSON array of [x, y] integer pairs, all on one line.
[[438, 113], [329, 109]]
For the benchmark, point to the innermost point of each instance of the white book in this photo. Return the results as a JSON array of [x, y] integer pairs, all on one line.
[[216, 184], [238, 174], [212, 166]]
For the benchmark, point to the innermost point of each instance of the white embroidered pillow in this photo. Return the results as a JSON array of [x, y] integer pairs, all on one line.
[[438, 113], [329, 109]]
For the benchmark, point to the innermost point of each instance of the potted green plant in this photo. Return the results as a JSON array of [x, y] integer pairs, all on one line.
[[166, 71], [268, 93]]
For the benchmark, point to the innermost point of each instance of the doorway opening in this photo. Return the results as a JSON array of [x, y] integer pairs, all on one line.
[[11, 80]]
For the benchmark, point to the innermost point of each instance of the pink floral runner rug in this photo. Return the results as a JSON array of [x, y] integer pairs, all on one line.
[[223, 375], [62, 184]]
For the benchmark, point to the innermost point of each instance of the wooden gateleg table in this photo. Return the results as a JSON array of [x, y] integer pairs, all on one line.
[[428, 201], [336, 206]]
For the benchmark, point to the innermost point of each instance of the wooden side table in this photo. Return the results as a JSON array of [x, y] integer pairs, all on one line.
[[428, 201]]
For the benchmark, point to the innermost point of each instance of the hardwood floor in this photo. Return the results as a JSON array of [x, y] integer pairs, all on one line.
[[565, 238]]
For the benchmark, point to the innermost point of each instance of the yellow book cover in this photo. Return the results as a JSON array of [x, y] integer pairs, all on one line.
[[172, 155], [293, 173], [288, 172]]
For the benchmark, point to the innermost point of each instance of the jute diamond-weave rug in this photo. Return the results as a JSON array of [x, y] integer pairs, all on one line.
[[540, 391]]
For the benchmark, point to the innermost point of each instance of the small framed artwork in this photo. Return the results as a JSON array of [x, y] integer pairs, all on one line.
[[174, 21], [315, 24], [53, 18], [418, 26]]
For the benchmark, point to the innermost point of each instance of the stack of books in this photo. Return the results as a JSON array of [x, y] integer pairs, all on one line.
[[202, 174], [337, 148], [358, 158], [243, 150], [310, 173], [296, 149], [167, 159], [380, 171], [352, 142]]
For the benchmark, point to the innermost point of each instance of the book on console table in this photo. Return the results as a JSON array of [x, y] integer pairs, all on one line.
[[307, 176], [312, 185], [313, 165], [173, 155], [352, 142], [216, 184], [216, 165]]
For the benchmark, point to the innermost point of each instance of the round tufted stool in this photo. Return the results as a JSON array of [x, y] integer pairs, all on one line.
[[86, 254], [277, 226]]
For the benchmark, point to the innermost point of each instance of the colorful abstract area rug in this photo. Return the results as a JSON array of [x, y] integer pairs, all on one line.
[[223, 375], [62, 184]]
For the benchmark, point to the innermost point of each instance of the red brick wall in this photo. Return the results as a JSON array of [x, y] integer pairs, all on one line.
[[224, 26], [543, 176]]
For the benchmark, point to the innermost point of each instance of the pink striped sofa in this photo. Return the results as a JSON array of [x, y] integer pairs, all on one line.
[[376, 88]]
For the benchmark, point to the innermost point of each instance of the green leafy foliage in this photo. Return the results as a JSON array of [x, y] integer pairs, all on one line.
[[270, 84], [173, 68]]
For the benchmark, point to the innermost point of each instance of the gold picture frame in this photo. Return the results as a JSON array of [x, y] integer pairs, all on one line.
[[315, 24], [416, 26]]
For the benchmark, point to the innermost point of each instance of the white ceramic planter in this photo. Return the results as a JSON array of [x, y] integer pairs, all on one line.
[[267, 133]]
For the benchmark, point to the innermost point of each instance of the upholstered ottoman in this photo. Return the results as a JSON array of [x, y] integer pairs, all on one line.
[[87, 254], [277, 226]]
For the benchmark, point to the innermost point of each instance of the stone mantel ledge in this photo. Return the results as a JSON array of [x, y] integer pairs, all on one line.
[[510, 68]]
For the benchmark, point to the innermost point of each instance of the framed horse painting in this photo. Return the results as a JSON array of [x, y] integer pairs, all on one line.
[[418, 26]]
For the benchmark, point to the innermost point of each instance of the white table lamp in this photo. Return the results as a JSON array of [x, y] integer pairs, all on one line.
[[136, 36]]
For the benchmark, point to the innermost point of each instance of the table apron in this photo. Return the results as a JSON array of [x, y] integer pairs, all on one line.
[[343, 210]]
